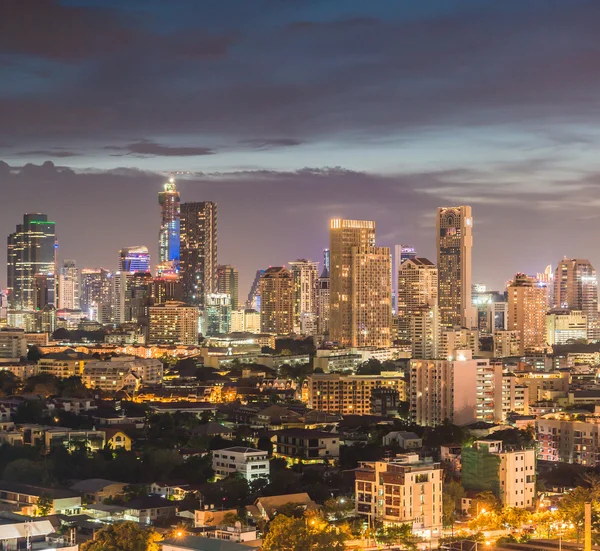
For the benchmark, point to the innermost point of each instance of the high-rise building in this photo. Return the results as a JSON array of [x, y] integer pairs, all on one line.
[[322, 298], [166, 288], [173, 323], [168, 236], [198, 254], [245, 321], [361, 280], [69, 283], [527, 313], [417, 287], [576, 288], [217, 314], [131, 296], [305, 274], [228, 283], [424, 332], [31, 250], [506, 343], [134, 259], [277, 301], [253, 300], [97, 294], [454, 245], [566, 326], [326, 259], [401, 253]]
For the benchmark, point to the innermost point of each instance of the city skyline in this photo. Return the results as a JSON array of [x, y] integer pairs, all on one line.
[[506, 127]]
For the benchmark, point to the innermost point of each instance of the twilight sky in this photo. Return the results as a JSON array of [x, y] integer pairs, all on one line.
[[291, 112]]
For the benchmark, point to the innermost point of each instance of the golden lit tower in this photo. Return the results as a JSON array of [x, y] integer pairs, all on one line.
[[527, 312], [277, 301]]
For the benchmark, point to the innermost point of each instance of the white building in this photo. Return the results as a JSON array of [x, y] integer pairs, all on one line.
[[506, 343], [245, 321], [249, 462], [149, 371], [563, 326]]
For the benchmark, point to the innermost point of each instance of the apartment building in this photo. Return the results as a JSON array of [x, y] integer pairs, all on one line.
[[308, 446], [402, 490], [350, 394], [249, 462], [568, 440]]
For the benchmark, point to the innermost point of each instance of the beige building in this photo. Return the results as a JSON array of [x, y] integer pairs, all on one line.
[[506, 343], [13, 343], [576, 288], [457, 339], [424, 332], [569, 441], [564, 326], [277, 301], [417, 288], [304, 274], [120, 372], [173, 323], [350, 394], [344, 235], [245, 321], [527, 313], [402, 490], [454, 247], [64, 364], [515, 396]]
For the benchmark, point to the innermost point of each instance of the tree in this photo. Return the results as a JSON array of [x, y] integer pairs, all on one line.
[[309, 533], [338, 508], [34, 354], [402, 534], [44, 505], [25, 471], [451, 498], [125, 536], [9, 383], [515, 517]]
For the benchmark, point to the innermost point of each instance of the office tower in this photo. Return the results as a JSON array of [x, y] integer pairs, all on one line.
[[43, 291], [371, 297], [305, 274], [326, 259], [360, 294], [198, 253], [322, 300], [166, 288], [3, 305], [424, 332], [496, 317], [217, 314], [417, 287], [173, 323], [131, 296], [461, 390], [576, 288], [31, 250], [547, 278], [277, 301], [69, 286], [454, 246], [168, 236], [401, 490], [527, 313], [253, 301], [566, 326], [134, 259], [227, 283], [97, 294]]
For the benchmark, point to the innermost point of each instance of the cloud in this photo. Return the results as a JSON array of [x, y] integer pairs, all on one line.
[[149, 148], [271, 143], [59, 153]]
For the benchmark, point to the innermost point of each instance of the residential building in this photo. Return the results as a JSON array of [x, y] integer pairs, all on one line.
[[173, 323], [96, 490], [110, 377], [245, 320], [97, 294], [31, 250], [576, 288], [417, 288], [69, 286], [544, 385], [277, 301], [13, 343], [249, 462], [568, 439], [165, 288], [168, 234], [322, 297], [515, 396], [454, 247], [306, 446], [350, 394], [266, 508], [146, 510], [131, 295], [566, 326], [228, 284], [24, 498], [198, 264], [402, 490], [404, 439], [199, 543], [217, 314], [305, 274], [64, 364], [527, 313], [424, 332], [506, 343], [509, 474], [451, 339]]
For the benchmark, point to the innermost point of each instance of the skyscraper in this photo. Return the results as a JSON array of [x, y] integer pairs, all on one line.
[[198, 253], [97, 294], [527, 313], [134, 259], [131, 294], [401, 253], [31, 250], [217, 314], [361, 281], [168, 237], [305, 274], [417, 287], [454, 245], [228, 283], [327, 259], [253, 300], [576, 288], [277, 301], [69, 286], [322, 298]]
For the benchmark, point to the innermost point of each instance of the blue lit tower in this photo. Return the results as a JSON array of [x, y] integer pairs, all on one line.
[[134, 259], [168, 236]]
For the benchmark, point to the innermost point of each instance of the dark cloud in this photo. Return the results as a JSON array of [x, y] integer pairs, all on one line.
[[59, 153], [148, 148], [271, 143]]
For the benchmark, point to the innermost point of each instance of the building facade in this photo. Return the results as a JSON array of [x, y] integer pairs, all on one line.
[[69, 283], [228, 283], [277, 301], [249, 462], [168, 234], [527, 313], [304, 274], [173, 323], [134, 259]]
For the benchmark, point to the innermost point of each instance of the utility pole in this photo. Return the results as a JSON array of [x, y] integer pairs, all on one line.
[[587, 531]]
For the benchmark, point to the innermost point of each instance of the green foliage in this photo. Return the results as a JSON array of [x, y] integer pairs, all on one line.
[[29, 411], [125, 536], [34, 354], [370, 367], [9, 383], [397, 534], [309, 533], [451, 497], [44, 505], [25, 471]]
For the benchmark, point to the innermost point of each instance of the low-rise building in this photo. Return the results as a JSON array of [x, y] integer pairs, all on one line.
[[249, 462], [404, 439], [23, 498], [564, 438], [13, 343], [266, 508], [123, 373], [96, 490], [307, 446], [402, 490], [146, 510]]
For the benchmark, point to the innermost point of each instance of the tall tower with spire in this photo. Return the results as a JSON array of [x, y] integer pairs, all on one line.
[[168, 236]]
